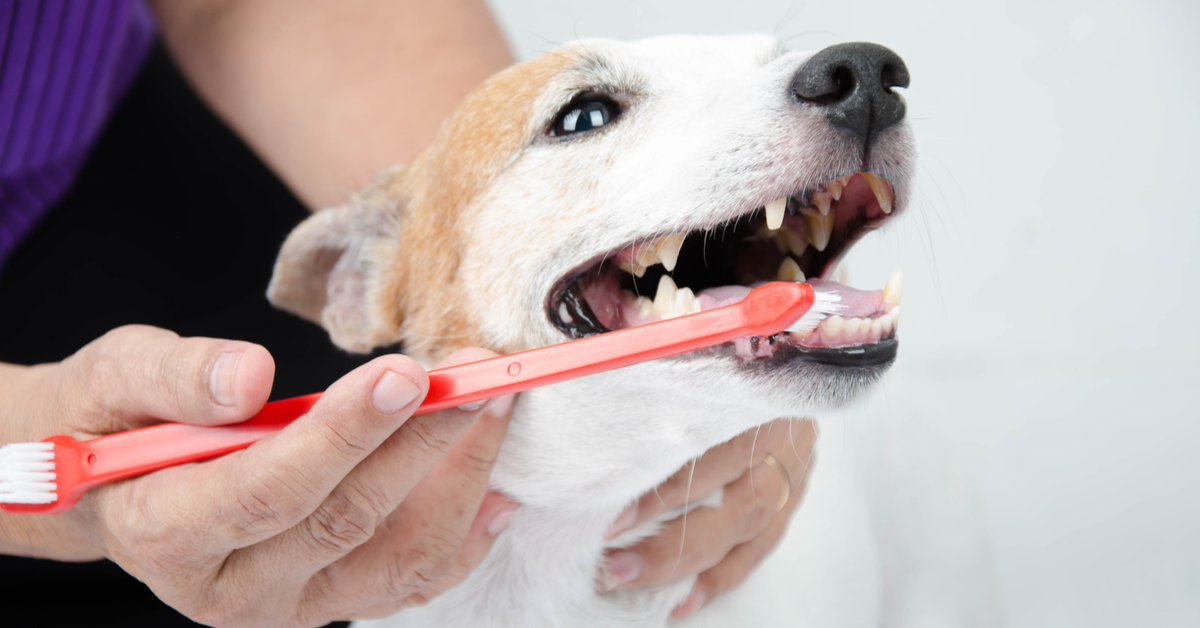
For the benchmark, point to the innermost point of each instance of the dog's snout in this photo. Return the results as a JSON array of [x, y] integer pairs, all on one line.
[[853, 83]]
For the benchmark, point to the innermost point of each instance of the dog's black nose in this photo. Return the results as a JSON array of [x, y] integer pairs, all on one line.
[[854, 82]]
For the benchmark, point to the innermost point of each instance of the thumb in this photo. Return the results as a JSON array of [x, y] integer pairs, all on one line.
[[135, 375]]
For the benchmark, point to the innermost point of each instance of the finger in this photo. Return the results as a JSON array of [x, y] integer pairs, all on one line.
[[494, 515], [280, 480], [733, 569], [137, 374], [427, 545], [349, 515], [718, 466], [695, 542], [743, 559]]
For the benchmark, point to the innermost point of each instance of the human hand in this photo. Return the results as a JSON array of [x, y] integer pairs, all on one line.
[[353, 510], [723, 545]]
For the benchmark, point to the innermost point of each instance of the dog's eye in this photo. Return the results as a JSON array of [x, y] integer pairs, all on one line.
[[584, 115]]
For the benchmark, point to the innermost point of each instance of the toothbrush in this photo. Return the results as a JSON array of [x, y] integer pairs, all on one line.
[[50, 476]]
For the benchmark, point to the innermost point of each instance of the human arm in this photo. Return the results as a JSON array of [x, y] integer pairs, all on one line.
[[300, 528], [330, 93]]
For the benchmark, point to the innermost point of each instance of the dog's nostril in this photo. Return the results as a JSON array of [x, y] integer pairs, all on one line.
[[853, 83]]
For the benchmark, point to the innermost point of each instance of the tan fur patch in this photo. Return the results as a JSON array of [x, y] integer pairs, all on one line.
[[429, 312]]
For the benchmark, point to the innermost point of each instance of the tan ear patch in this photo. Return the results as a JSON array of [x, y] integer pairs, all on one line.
[[434, 313]]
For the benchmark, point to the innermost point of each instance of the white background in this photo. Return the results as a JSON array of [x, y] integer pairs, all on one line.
[[1051, 271]]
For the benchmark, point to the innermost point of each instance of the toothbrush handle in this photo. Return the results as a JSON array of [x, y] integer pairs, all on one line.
[[768, 309]]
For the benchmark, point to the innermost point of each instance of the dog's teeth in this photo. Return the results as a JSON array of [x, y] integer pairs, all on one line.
[[820, 228], [894, 288], [794, 241], [664, 298], [877, 327], [685, 302], [887, 323], [668, 249], [633, 268], [789, 270], [851, 326], [822, 201], [834, 188], [895, 316], [832, 326], [882, 193], [775, 211]]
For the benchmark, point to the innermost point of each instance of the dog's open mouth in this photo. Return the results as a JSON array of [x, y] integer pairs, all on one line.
[[795, 238]]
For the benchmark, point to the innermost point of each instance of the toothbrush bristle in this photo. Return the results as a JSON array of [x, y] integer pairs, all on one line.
[[824, 304], [27, 474]]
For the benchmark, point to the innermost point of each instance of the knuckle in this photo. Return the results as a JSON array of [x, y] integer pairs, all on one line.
[[423, 567], [265, 504], [477, 461], [341, 523], [418, 434], [346, 442]]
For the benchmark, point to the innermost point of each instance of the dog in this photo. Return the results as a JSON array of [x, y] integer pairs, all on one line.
[[604, 185]]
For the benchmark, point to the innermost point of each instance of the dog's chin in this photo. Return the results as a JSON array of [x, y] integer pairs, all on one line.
[[801, 238]]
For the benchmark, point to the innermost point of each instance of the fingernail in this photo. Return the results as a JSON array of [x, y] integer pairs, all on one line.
[[500, 521], [690, 605], [623, 521], [393, 392], [221, 379], [620, 568], [501, 405]]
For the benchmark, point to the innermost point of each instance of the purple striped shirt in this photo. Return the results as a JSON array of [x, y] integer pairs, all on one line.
[[64, 65]]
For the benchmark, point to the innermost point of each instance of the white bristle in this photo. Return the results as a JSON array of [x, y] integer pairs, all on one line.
[[27, 474], [824, 304]]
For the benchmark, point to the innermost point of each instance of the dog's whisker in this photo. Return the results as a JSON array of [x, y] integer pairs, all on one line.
[[753, 443], [687, 500]]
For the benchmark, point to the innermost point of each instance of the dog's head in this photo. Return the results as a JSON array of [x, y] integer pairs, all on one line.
[[559, 195]]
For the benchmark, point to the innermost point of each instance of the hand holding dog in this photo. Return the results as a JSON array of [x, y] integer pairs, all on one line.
[[354, 510], [725, 544]]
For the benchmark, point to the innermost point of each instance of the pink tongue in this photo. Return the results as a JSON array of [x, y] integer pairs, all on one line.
[[854, 302]]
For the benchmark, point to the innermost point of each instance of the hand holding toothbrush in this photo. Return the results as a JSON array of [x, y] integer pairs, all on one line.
[[284, 531]]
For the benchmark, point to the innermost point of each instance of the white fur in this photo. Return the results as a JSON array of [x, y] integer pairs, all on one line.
[[710, 134]]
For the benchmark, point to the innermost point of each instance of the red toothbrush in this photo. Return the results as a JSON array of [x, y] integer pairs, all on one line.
[[52, 475]]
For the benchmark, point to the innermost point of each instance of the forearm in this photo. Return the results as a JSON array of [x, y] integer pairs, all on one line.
[[328, 93]]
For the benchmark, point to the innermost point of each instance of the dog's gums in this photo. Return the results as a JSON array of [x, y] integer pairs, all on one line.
[[792, 238]]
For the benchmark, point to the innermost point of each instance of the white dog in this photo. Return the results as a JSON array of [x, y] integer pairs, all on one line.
[[552, 205]]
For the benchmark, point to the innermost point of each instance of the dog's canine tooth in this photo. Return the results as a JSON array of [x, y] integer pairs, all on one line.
[[822, 200], [820, 228], [668, 249], [834, 188], [894, 288], [775, 211], [789, 270], [664, 297], [882, 193]]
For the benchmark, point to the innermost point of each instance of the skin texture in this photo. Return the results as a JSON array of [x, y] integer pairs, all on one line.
[[327, 95], [353, 510]]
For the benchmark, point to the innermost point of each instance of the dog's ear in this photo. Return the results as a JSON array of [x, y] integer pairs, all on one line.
[[333, 267]]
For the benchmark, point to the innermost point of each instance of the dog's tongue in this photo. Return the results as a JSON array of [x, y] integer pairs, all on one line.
[[854, 302]]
